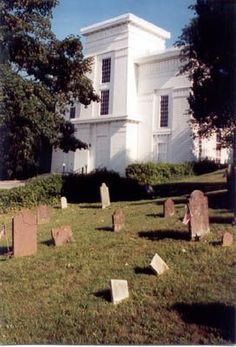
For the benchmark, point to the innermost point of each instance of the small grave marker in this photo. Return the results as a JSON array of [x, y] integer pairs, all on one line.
[[62, 235], [158, 265], [24, 234], [227, 239], [119, 291], [169, 208], [199, 217], [43, 214], [63, 202], [118, 220], [105, 196]]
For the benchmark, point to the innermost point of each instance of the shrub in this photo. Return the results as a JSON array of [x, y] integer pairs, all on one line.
[[154, 173], [85, 187], [206, 166], [39, 190]]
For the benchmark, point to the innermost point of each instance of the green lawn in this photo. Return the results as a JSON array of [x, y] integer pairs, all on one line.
[[60, 296]]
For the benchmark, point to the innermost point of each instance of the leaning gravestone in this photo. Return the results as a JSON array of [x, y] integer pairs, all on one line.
[[158, 265], [24, 234], [63, 202], [62, 235], [199, 217], [227, 239], [119, 291], [43, 214], [105, 197], [118, 220], [168, 208]]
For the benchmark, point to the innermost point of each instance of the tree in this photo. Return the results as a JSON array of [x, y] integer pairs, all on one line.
[[208, 53], [208, 47], [39, 76]]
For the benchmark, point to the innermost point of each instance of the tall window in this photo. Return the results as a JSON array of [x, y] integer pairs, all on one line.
[[106, 70], [164, 111], [104, 102], [72, 112]]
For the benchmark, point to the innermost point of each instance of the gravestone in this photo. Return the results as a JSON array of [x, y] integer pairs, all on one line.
[[24, 234], [169, 208], [63, 202], [118, 220], [43, 214], [158, 265], [227, 239], [199, 217], [119, 291], [62, 235], [105, 197]]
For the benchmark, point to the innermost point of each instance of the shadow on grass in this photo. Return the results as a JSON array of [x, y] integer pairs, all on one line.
[[155, 215], [143, 270], [164, 234], [221, 220], [48, 243], [212, 315], [104, 228], [4, 250], [92, 206], [216, 243], [104, 294]]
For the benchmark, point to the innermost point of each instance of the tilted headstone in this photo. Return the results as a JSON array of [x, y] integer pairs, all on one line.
[[43, 216], [158, 265], [119, 291], [62, 235], [168, 208], [118, 220], [63, 202], [24, 234], [227, 239], [199, 216], [105, 196]]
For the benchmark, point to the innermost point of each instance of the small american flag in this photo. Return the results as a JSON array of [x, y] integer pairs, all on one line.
[[187, 215], [2, 231]]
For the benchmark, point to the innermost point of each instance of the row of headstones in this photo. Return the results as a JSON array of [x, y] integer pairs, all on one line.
[[24, 231], [196, 214]]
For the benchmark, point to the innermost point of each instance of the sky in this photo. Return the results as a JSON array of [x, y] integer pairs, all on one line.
[[72, 15]]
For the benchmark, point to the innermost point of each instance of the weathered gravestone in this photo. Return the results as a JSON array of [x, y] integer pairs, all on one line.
[[168, 208], [62, 235], [158, 265], [199, 217], [63, 202], [105, 196], [24, 234], [227, 239], [118, 220], [43, 216], [119, 291]]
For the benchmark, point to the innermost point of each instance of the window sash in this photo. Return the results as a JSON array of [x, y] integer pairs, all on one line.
[[106, 70], [72, 112], [164, 111], [104, 102]]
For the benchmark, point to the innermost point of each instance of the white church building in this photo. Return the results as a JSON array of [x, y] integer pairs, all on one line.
[[144, 113]]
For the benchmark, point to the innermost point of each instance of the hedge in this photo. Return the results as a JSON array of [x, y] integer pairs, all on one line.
[[39, 190], [154, 173]]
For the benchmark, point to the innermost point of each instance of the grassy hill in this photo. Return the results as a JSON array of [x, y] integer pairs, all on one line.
[[61, 296]]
